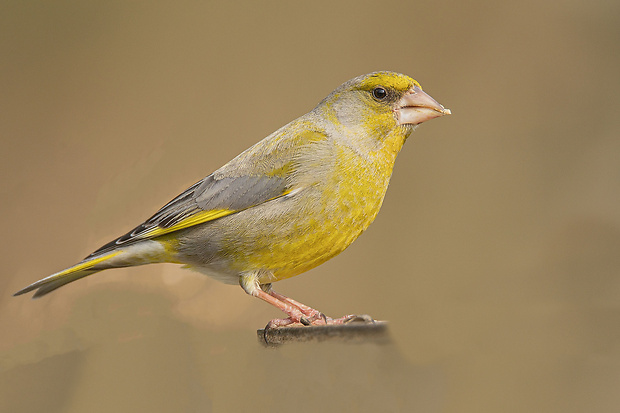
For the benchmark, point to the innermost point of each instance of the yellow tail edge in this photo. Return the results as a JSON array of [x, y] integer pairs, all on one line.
[[80, 270]]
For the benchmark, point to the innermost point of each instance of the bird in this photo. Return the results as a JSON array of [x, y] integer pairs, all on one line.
[[290, 202]]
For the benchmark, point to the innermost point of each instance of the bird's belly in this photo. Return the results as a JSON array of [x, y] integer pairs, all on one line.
[[281, 238], [287, 244]]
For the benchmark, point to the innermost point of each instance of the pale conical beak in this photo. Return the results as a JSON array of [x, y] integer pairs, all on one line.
[[417, 107]]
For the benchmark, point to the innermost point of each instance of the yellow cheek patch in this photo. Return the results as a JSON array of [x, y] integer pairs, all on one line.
[[379, 123]]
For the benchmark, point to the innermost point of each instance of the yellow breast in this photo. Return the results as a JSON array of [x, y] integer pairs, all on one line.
[[329, 216]]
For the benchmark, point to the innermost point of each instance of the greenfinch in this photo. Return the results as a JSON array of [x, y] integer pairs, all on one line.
[[287, 204]]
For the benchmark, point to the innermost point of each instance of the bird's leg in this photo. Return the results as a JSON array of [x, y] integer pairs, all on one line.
[[310, 315], [297, 312], [250, 284], [294, 314], [314, 315]]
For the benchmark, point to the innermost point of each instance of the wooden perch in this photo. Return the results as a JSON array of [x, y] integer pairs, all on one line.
[[362, 329]]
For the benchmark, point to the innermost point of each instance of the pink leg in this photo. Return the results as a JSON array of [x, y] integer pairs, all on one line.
[[315, 316], [308, 311], [297, 312], [295, 316]]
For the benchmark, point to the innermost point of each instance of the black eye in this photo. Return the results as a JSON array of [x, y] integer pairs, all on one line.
[[379, 93]]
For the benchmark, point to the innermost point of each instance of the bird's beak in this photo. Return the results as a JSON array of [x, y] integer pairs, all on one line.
[[417, 107]]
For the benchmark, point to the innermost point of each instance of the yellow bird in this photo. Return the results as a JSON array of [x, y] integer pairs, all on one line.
[[287, 204]]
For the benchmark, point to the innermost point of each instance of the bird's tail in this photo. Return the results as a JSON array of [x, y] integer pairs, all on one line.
[[82, 269]]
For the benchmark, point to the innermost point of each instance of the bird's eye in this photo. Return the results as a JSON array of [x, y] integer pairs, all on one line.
[[379, 93]]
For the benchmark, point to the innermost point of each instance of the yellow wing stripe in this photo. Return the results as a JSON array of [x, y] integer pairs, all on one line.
[[196, 219]]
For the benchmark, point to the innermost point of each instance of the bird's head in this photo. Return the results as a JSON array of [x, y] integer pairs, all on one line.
[[379, 102]]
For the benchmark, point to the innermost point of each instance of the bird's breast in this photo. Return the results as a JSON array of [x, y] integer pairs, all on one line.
[[324, 218]]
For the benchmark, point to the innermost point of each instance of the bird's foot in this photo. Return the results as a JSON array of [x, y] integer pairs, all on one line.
[[353, 318], [318, 320], [300, 314], [299, 319]]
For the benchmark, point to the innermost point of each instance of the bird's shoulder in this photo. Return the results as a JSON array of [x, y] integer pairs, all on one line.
[[279, 154]]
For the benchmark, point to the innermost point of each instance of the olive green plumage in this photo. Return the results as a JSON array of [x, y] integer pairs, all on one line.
[[287, 204]]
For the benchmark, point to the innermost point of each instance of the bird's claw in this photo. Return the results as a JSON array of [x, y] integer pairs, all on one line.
[[355, 318], [318, 319]]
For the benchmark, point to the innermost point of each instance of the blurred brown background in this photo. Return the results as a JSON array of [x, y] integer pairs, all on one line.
[[496, 256]]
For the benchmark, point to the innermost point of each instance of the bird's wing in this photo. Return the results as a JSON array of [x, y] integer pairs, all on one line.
[[260, 174], [206, 200]]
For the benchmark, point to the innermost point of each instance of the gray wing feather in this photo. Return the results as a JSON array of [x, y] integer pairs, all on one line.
[[233, 193]]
